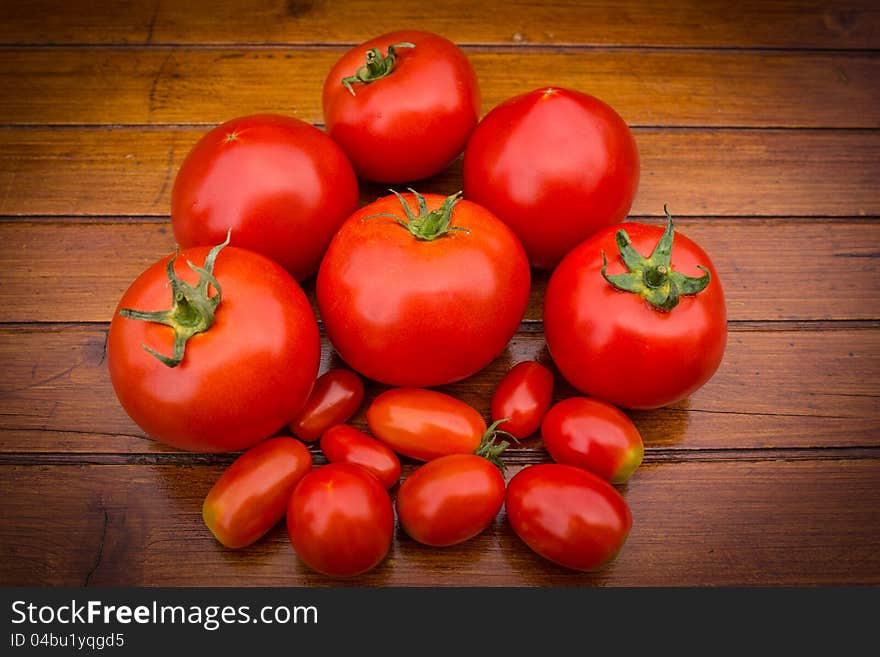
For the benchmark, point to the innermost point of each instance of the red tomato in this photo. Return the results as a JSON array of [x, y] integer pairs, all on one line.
[[335, 398], [280, 184], [618, 345], [523, 395], [340, 520], [345, 444], [401, 105], [450, 499], [567, 515], [252, 494], [556, 166], [593, 435], [426, 424], [241, 379], [422, 300]]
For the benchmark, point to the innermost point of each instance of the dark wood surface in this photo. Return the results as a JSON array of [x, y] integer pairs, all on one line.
[[756, 121]]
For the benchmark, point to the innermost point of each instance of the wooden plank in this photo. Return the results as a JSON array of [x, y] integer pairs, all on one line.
[[752, 23], [784, 388], [45, 265], [766, 523], [195, 86], [64, 171]]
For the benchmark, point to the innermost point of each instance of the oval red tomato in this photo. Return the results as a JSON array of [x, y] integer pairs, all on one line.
[[568, 515], [616, 345], [555, 165], [280, 184], [340, 520], [240, 380], [251, 496], [593, 435], [450, 499], [336, 396], [523, 396], [423, 296], [345, 444], [414, 116], [425, 424]]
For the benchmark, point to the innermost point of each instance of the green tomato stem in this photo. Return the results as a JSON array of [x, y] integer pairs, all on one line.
[[192, 308], [376, 66], [653, 278]]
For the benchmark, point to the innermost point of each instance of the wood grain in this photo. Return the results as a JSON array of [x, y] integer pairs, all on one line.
[[747, 523], [130, 171], [209, 86], [672, 23], [775, 388], [76, 270]]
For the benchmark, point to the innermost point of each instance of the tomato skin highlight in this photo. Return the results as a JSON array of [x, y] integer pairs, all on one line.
[[614, 345], [409, 312], [594, 435], [450, 499], [523, 395], [251, 496], [425, 424], [345, 444], [340, 520], [336, 396], [241, 380], [568, 515], [412, 123], [279, 183], [556, 165]]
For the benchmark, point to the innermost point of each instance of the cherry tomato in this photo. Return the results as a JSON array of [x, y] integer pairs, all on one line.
[[567, 515], [523, 395], [340, 520], [345, 444], [280, 184], [401, 105], [252, 494], [426, 296], [426, 424], [233, 384], [593, 435], [335, 398], [450, 499], [555, 165], [651, 344]]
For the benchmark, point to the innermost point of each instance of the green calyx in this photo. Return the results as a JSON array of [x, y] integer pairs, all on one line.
[[377, 66], [490, 448], [653, 278], [426, 226], [192, 309]]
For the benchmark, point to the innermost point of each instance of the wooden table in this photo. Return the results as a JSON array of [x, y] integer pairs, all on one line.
[[757, 122]]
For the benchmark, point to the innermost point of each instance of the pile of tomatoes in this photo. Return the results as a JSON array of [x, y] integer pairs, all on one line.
[[216, 348]]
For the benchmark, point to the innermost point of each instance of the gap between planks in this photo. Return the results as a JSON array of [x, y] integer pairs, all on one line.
[[512, 458]]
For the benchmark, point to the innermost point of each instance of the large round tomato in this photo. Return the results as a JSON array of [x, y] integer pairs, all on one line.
[[422, 291], [280, 184], [340, 520], [646, 331], [556, 166], [567, 515], [235, 383], [401, 105], [450, 499]]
